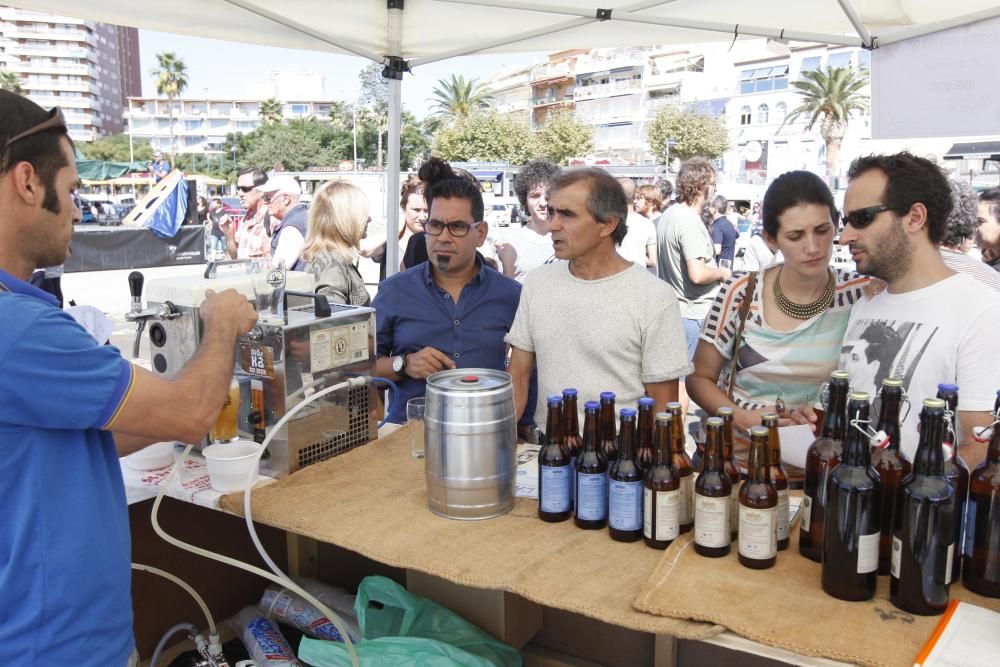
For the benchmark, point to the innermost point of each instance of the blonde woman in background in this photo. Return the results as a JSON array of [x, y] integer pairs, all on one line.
[[338, 220]]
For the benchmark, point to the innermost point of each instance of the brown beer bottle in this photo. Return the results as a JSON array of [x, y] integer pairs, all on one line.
[[555, 492], [591, 509], [776, 472], [644, 435], [822, 457], [682, 464], [661, 492], [727, 415], [758, 548], [712, 492], [572, 441], [890, 463], [609, 438], [853, 527], [923, 529], [955, 471], [625, 486], [981, 571]]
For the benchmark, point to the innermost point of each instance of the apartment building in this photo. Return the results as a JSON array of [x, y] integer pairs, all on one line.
[[511, 90], [201, 126], [763, 145], [88, 69]]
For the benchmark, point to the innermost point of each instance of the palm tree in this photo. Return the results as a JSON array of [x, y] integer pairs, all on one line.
[[456, 97], [271, 111], [10, 81], [171, 80], [831, 96]]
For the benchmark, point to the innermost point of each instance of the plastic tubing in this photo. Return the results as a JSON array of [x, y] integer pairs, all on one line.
[[192, 632], [278, 577], [395, 397], [183, 584]]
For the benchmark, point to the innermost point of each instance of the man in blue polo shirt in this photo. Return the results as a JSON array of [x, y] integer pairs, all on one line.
[[450, 311], [70, 407]]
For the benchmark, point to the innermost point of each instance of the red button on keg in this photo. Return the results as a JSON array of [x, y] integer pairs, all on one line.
[[470, 378]]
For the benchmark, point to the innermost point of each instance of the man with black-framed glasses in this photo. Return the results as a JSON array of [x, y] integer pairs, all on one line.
[[896, 212], [451, 311]]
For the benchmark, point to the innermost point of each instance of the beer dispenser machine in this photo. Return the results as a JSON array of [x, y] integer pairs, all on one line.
[[300, 345]]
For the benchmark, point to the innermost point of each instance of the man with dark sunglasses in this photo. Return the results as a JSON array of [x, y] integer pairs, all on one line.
[[896, 215], [249, 239], [70, 408]]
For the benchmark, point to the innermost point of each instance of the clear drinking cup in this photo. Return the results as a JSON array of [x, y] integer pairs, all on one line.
[[415, 423]]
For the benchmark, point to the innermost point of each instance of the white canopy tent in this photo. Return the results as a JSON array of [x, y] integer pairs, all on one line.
[[403, 34]]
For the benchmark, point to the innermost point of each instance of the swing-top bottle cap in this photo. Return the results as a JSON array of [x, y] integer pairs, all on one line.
[[714, 422], [860, 396], [727, 411], [758, 431], [840, 375], [934, 403], [892, 382], [663, 418]]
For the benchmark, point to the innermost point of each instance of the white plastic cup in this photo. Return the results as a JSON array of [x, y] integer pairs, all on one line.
[[229, 464]]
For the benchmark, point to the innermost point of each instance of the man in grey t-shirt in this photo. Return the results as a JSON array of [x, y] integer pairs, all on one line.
[[596, 322], [686, 255]]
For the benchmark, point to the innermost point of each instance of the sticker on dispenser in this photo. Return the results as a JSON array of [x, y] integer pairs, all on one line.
[[321, 350], [257, 360], [359, 342]]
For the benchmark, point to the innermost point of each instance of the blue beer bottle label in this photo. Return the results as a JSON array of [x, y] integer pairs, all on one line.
[[625, 505], [554, 488], [592, 496]]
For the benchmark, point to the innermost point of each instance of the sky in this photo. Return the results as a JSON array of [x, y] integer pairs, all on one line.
[[222, 69]]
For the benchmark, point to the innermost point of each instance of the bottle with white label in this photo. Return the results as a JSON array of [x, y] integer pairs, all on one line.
[[682, 464], [712, 492], [732, 469], [823, 456], [923, 528], [661, 492], [889, 461], [758, 548], [625, 485], [981, 570], [955, 469], [778, 476], [555, 493], [853, 522], [591, 474]]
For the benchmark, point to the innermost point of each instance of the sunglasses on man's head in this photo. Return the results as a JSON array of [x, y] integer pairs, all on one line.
[[862, 217], [55, 121]]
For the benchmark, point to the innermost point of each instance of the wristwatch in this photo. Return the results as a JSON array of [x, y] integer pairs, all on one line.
[[399, 365]]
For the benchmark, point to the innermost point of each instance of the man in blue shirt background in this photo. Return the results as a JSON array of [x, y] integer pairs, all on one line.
[[450, 311], [724, 234], [70, 407], [160, 167]]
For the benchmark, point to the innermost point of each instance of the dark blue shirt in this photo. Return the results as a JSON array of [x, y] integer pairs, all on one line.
[[64, 539], [412, 313], [724, 234]]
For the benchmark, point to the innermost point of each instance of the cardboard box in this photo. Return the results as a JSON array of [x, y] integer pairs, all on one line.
[[508, 617]]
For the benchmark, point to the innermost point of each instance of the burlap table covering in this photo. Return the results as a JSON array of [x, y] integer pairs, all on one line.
[[373, 501], [785, 606]]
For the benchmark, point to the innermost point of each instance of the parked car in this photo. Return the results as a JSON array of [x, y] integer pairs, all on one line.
[[498, 215]]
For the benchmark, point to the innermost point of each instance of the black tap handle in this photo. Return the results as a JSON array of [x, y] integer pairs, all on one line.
[[321, 305], [135, 282]]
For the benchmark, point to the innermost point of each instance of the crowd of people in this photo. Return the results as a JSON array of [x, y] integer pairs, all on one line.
[[606, 287]]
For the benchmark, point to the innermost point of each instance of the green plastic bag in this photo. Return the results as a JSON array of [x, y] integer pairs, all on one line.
[[403, 629]]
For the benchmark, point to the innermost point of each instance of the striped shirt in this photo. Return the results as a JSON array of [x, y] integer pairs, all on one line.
[[962, 263], [790, 365]]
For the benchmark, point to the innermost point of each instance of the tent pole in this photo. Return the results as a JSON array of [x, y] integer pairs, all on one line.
[[304, 29], [393, 72], [931, 28], [855, 19]]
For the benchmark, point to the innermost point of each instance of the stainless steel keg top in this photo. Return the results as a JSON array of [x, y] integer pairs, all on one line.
[[469, 379]]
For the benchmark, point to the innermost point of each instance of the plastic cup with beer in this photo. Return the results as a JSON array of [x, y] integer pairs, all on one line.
[[225, 427]]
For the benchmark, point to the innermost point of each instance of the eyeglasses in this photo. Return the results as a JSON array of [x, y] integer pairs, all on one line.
[[456, 229], [862, 217], [55, 121], [245, 189]]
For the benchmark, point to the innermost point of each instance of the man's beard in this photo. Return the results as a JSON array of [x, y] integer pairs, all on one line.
[[891, 256], [443, 262]]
